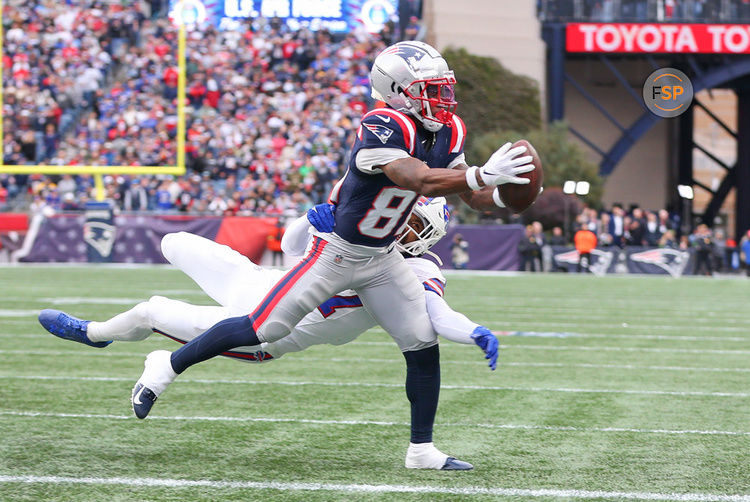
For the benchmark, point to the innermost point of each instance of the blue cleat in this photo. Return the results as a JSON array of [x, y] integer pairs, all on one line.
[[453, 464], [143, 399], [67, 327]]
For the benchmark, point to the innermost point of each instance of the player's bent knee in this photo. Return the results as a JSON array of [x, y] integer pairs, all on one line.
[[173, 242], [157, 300], [169, 244], [155, 306]]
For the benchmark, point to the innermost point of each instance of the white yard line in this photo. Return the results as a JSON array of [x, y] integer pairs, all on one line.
[[510, 321], [563, 314], [398, 361], [532, 427], [535, 334], [604, 348], [625, 336], [378, 488], [624, 367], [551, 335], [705, 316], [90, 300], [627, 349], [687, 338], [18, 313], [395, 386]]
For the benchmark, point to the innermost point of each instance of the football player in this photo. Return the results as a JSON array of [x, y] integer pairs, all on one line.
[[238, 285], [412, 146]]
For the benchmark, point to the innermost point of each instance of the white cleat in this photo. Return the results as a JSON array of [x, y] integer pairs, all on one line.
[[426, 456], [157, 375]]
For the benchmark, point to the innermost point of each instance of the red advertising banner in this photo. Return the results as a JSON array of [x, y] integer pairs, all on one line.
[[658, 38]]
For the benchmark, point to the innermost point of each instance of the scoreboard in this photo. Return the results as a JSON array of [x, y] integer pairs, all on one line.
[[333, 15]]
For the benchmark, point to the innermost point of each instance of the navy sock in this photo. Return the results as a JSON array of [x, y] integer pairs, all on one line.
[[223, 336], [423, 390]]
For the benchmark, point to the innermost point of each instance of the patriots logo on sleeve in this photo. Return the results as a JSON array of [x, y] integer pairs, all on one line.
[[380, 131]]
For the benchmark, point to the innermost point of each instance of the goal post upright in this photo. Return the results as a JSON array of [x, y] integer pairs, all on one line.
[[2, 85], [181, 63], [98, 171]]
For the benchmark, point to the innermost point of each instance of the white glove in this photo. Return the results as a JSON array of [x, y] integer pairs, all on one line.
[[503, 167]]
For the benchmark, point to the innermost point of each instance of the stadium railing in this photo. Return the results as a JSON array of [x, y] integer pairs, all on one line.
[[658, 11]]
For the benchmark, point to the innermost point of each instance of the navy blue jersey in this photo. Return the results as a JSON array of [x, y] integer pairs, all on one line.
[[371, 208]]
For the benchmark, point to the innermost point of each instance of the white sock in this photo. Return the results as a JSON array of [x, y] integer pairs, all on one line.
[[130, 326], [158, 372], [424, 456]]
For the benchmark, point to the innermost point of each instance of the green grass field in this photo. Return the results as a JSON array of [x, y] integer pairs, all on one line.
[[644, 396]]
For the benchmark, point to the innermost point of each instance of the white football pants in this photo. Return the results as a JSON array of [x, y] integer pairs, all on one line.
[[387, 286], [233, 281]]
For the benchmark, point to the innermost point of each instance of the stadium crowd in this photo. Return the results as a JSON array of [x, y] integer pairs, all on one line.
[[57, 59], [269, 110], [618, 228], [269, 114]]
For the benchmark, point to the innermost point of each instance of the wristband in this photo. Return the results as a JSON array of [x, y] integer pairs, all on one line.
[[471, 178], [496, 197]]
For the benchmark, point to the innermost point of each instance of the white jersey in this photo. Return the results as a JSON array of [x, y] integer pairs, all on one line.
[[238, 285], [342, 318]]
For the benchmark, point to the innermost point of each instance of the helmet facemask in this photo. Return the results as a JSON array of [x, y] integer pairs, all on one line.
[[433, 217], [434, 100]]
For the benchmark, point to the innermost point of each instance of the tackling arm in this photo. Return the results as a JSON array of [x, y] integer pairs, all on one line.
[[448, 323], [458, 328], [296, 237]]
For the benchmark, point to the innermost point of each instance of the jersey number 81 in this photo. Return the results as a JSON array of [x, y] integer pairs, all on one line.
[[386, 211]]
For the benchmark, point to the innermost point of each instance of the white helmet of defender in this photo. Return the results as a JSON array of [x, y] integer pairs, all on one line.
[[412, 77], [435, 216]]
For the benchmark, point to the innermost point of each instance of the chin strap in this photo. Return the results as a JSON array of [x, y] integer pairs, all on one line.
[[440, 262]]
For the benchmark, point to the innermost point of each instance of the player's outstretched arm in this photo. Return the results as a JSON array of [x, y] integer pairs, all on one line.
[[505, 166], [415, 175], [458, 328], [487, 198]]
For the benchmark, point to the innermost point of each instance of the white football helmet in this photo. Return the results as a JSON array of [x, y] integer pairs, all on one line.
[[413, 78], [435, 216]]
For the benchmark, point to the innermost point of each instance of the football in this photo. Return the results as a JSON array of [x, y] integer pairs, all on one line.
[[518, 198]]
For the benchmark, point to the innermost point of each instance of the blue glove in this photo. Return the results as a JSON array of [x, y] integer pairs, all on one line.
[[321, 217], [488, 343]]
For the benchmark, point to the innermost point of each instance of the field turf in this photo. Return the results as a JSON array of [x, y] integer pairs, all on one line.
[[608, 389]]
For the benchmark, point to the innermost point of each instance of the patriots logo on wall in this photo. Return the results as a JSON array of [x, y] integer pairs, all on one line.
[[672, 261], [600, 260], [380, 131], [100, 236]]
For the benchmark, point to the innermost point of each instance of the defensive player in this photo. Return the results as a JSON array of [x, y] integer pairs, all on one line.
[[412, 146], [237, 284]]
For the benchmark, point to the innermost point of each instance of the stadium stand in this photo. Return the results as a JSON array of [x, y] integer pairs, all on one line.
[[700, 11], [269, 109]]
